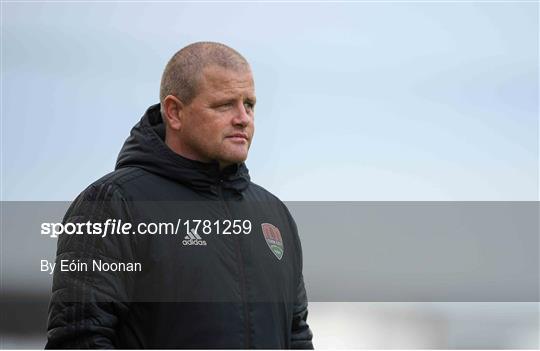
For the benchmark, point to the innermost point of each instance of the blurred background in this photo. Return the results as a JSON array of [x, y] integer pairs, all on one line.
[[366, 101]]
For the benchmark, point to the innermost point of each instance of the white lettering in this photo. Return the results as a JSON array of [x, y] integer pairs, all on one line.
[[47, 266]]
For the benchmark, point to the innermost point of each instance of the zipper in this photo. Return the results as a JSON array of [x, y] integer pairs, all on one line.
[[241, 270]]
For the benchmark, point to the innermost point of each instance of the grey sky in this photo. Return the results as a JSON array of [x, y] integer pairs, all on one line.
[[362, 101]]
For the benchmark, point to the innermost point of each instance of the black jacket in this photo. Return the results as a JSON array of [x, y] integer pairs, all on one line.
[[232, 291]]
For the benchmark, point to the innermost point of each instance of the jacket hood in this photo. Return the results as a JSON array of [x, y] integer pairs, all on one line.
[[145, 148]]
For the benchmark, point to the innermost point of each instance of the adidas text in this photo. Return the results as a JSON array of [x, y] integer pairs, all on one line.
[[192, 238], [193, 242]]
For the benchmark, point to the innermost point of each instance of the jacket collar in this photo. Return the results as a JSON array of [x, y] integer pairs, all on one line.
[[145, 148]]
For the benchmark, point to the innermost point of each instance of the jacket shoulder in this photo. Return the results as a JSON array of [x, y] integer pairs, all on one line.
[[111, 183], [258, 193], [120, 177], [261, 194]]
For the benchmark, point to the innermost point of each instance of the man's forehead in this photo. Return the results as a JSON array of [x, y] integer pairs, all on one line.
[[219, 78]]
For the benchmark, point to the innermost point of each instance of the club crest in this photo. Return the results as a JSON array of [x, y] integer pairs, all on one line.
[[273, 239]]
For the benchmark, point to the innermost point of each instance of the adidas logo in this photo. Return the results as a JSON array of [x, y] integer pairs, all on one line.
[[192, 238]]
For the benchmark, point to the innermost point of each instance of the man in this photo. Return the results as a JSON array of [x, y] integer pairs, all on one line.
[[230, 276]]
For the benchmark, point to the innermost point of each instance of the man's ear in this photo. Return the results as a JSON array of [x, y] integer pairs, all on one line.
[[172, 111]]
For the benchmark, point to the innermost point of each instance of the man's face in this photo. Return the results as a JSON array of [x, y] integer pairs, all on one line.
[[218, 124]]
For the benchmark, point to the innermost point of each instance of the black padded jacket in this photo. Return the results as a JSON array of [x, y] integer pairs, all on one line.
[[206, 288]]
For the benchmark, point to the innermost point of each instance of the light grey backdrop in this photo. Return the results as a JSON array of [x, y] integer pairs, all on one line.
[[356, 101]]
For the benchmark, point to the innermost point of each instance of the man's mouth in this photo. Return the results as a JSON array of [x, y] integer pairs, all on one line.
[[238, 137]]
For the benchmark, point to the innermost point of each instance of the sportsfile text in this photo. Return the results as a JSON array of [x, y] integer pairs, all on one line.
[[120, 227]]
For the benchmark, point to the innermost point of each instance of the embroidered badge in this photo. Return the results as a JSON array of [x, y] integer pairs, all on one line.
[[273, 239]]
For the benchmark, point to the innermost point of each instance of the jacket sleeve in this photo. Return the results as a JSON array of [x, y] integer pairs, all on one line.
[[86, 305], [301, 334]]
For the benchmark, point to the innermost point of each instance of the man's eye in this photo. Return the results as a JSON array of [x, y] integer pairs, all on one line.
[[249, 105], [224, 106]]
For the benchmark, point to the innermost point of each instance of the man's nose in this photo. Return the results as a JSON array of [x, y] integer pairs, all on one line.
[[241, 117]]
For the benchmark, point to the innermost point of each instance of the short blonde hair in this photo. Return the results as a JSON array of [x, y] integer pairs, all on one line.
[[182, 73]]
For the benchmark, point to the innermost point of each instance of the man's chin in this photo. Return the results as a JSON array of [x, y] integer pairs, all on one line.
[[232, 160]]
